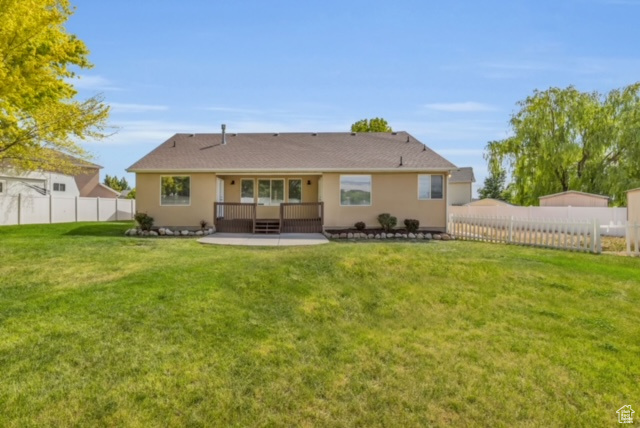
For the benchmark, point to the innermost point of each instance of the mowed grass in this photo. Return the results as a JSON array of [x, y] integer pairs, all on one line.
[[98, 329]]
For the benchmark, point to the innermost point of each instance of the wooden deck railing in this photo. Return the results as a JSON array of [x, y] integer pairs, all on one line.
[[306, 217], [234, 217]]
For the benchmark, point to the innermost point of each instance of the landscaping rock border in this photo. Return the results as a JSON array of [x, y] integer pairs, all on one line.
[[379, 236], [165, 231]]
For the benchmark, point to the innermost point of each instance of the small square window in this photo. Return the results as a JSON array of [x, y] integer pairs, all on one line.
[[59, 187], [3, 187], [430, 187]]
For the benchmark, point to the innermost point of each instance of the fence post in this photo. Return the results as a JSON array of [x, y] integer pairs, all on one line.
[[596, 246], [116, 209], [133, 214], [76, 209], [510, 229], [50, 209], [97, 209], [19, 208]]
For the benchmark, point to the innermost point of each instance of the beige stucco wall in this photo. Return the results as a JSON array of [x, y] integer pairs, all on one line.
[[633, 206], [574, 200], [203, 193], [459, 193], [393, 193], [232, 191]]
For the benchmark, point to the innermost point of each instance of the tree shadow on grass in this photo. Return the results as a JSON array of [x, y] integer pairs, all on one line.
[[101, 229]]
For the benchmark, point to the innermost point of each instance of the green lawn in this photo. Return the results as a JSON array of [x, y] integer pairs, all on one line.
[[97, 329]]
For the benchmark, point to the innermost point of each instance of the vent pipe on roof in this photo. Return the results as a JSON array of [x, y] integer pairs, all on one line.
[[401, 161], [224, 137], [408, 139]]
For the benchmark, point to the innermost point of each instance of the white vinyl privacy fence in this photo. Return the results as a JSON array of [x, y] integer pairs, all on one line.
[[50, 209], [633, 239], [612, 221], [571, 235]]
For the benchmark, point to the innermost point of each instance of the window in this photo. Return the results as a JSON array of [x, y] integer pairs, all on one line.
[[430, 186], [3, 187], [175, 190], [295, 191], [355, 190], [270, 192], [246, 191], [59, 187]]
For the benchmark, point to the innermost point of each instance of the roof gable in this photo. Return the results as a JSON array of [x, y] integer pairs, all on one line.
[[292, 152]]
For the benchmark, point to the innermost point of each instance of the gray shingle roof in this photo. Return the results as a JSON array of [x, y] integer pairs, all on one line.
[[291, 152], [462, 175]]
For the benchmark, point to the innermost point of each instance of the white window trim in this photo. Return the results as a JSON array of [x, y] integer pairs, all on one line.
[[254, 189], [271, 180], [355, 175], [173, 205], [301, 191], [430, 198]]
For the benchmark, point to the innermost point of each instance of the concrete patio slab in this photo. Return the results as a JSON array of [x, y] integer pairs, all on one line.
[[248, 239]]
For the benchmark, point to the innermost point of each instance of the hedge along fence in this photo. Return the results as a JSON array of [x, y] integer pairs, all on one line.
[[633, 239], [570, 235], [50, 209]]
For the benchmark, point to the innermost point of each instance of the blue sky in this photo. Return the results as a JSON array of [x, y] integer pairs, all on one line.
[[450, 73]]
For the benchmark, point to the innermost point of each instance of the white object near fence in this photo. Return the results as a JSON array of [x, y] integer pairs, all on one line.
[[612, 220], [49, 209], [633, 239], [570, 235]]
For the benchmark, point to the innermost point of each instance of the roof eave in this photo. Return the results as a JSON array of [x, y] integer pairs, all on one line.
[[286, 170]]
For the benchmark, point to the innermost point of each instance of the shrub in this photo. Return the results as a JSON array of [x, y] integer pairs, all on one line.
[[360, 225], [144, 221], [203, 224], [412, 225], [387, 221]]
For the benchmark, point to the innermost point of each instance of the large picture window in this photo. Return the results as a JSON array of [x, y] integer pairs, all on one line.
[[247, 191], [295, 191], [430, 186], [175, 190], [270, 192], [355, 190]]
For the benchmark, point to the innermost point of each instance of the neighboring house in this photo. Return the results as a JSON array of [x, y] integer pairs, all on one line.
[[86, 183], [573, 198], [292, 182], [460, 186], [633, 206], [488, 202]]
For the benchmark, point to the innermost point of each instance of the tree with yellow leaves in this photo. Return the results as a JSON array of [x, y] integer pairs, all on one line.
[[40, 116]]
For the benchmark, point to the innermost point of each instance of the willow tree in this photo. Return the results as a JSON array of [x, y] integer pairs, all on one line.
[[564, 139], [40, 115]]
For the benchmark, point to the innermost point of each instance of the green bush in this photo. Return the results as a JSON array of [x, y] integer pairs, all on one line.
[[144, 221], [387, 221], [360, 225], [412, 225]]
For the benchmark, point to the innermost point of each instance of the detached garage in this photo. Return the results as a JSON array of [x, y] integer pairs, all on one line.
[[574, 198], [633, 206]]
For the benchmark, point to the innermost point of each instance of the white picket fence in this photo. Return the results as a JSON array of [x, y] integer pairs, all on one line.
[[21, 209], [613, 220], [633, 239], [570, 235]]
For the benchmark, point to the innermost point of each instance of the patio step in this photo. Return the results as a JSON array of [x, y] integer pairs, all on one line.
[[267, 226]]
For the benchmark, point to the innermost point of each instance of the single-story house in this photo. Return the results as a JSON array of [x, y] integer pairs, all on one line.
[[461, 186], [633, 206], [574, 198], [84, 183], [292, 182]]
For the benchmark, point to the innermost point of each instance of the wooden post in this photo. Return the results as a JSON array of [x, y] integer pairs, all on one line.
[[510, 238]]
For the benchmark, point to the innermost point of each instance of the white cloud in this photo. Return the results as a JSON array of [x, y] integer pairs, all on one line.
[[462, 107], [136, 108], [93, 83]]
